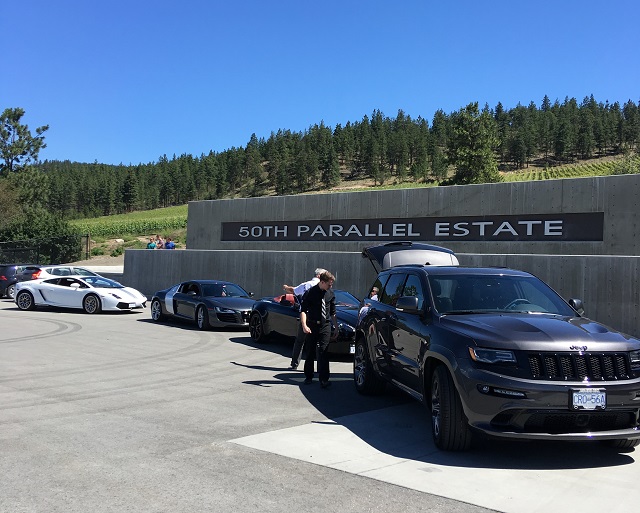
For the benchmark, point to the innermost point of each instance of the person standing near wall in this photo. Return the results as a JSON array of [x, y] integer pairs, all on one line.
[[299, 293], [317, 314]]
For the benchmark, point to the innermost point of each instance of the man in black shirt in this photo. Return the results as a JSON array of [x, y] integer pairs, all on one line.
[[317, 313]]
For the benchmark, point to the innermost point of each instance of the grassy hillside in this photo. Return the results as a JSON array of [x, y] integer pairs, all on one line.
[[159, 221]]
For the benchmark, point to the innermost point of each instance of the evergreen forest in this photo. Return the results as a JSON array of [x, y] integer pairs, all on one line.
[[471, 145]]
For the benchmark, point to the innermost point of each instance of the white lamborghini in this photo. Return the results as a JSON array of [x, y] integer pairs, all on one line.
[[93, 294]]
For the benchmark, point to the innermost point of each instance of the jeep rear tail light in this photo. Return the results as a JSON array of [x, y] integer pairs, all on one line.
[[36, 275], [3, 277]]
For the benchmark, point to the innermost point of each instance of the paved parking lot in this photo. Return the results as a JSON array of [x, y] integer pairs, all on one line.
[[112, 413]]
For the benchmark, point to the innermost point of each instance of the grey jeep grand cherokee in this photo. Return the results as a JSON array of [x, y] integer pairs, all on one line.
[[497, 351]]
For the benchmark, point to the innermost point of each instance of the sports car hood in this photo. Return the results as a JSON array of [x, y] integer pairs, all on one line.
[[538, 332], [348, 314], [233, 303], [135, 293]]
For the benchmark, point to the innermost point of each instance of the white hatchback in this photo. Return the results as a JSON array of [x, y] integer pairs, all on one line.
[[42, 272]]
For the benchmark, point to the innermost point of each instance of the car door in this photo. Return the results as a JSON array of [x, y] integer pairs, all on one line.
[[382, 312], [406, 330], [284, 317], [63, 292], [185, 300]]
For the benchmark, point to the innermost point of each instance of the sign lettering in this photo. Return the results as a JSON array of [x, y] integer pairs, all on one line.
[[585, 227]]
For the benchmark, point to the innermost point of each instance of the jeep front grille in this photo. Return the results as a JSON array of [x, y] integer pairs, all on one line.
[[579, 366]]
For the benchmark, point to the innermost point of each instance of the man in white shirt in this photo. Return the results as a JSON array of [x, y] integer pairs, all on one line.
[[299, 292]]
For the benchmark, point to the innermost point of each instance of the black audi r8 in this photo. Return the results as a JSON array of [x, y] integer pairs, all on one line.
[[210, 303], [280, 316]]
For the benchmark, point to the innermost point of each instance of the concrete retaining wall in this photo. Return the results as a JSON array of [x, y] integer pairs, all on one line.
[[608, 285]]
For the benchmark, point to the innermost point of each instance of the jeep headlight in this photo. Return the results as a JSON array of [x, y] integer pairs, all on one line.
[[634, 358], [479, 354]]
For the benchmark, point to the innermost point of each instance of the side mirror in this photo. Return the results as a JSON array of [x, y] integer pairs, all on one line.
[[75, 286], [408, 304], [577, 305], [191, 293]]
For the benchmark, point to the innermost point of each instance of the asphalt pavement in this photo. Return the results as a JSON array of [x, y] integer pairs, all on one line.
[[113, 413]]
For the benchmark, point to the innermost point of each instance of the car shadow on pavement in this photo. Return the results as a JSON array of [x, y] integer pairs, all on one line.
[[397, 425]]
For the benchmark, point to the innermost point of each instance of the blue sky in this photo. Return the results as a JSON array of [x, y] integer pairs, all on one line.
[[127, 81]]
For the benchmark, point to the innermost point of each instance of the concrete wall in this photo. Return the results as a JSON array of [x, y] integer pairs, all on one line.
[[616, 196], [604, 274]]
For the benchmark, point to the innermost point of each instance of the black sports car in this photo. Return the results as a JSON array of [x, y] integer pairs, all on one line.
[[280, 316], [210, 303]]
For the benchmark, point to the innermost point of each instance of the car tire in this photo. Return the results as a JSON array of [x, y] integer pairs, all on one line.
[[91, 304], [365, 378], [202, 318], [156, 311], [449, 424], [256, 328], [25, 301], [625, 443], [11, 291]]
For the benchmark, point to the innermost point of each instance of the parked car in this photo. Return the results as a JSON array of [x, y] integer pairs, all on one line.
[[41, 272], [209, 303], [279, 316], [92, 294], [10, 274], [497, 351]]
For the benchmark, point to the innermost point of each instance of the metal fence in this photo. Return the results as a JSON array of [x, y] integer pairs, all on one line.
[[53, 250]]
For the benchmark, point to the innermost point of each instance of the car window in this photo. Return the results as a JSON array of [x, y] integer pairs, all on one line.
[[58, 271], [393, 289], [224, 290], [478, 293], [185, 288], [81, 271], [378, 284], [413, 287], [67, 282], [100, 282], [535, 296], [345, 299]]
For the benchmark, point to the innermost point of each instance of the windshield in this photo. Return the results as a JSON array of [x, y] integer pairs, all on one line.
[[223, 290], [466, 293], [345, 299], [105, 283]]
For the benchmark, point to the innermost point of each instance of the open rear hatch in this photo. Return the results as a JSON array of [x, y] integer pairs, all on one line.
[[385, 256]]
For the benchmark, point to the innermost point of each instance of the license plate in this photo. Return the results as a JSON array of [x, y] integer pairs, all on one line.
[[588, 399], [352, 349], [132, 305]]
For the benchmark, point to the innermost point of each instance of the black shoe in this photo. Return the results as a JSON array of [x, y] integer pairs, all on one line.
[[308, 381], [293, 366], [325, 384]]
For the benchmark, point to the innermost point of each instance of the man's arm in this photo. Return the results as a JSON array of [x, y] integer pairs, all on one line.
[[288, 289], [303, 321]]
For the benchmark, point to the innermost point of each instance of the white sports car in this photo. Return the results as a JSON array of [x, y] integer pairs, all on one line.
[[91, 293]]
